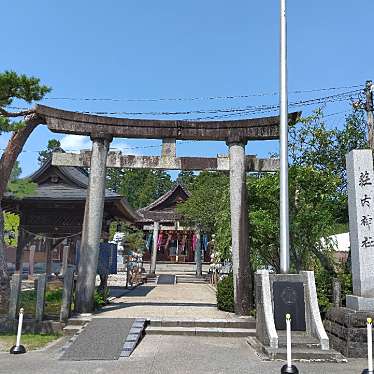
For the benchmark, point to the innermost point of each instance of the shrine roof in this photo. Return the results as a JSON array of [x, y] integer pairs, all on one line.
[[164, 208], [65, 184]]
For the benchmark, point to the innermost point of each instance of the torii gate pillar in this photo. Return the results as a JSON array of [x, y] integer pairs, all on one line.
[[92, 226], [239, 228]]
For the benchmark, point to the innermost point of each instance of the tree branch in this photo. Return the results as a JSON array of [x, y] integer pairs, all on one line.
[[27, 112], [14, 148]]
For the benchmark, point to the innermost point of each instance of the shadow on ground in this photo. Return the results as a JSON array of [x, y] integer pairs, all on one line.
[[118, 292]]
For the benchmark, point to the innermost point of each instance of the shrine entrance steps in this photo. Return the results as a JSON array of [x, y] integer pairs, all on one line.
[[234, 327], [304, 348]]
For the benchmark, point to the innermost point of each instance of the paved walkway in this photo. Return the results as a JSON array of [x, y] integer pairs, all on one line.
[[170, 354], [165, 301]]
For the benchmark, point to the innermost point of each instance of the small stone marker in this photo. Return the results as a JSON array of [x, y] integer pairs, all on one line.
[[65, 256], [40, 295], [31, 259], [360, 178], [336, 292], [67, 294], [15, 289]]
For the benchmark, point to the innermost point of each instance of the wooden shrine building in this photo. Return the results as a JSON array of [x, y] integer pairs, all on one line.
[[53, 214], [175, 242]]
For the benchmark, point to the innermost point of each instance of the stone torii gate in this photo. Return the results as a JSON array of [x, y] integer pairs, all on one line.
[[101, 130]]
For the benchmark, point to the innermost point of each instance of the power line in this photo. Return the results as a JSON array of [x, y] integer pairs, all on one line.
[[228, 97], [111, 149], [229, 111]]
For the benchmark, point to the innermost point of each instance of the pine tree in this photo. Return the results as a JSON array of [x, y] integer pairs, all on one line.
[[28, 89], [53, 146]]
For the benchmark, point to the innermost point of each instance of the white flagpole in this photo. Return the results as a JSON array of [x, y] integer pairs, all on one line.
[[284, 210], [370, 345]]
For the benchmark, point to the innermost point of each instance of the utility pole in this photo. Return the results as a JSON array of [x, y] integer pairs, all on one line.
[[369, 87]]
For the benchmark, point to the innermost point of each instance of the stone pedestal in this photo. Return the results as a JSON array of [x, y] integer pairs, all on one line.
[[364, 304], [279, 294], [347, 331]]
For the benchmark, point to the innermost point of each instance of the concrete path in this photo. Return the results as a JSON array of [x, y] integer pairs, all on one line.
[[160, 301], [170, 354]]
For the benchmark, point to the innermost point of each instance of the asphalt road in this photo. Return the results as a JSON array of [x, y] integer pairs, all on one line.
[[169, 354]]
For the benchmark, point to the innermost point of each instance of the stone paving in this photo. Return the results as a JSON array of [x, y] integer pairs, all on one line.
[[169, 354], [160, 301], [165, 353]]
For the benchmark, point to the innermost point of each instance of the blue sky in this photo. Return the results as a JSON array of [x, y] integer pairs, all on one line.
[[174, 49]]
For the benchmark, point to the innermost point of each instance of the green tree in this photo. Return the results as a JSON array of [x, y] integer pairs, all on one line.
[[186, 178], [139, 186], [28, 89], [53, 146], [312, 195], [207, 196], [11, 225], [313, 144]]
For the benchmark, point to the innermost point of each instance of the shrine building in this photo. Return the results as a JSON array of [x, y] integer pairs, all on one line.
[[175, 242], [51, 217]]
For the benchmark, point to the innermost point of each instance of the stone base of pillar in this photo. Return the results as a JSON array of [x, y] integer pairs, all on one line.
[[360, 303]]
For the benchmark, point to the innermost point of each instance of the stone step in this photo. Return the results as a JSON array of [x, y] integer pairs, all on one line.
[[299, 353], [200, 331], [298, 340], [305, 353], [71, 330], [192, 280], [78, 321], [247, 323]]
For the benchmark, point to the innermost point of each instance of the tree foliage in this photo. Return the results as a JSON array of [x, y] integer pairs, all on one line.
[[11, 225], [19, 188], [202, 207], [15, 86], [313, 144], [312, 196], [139, 186], [53, 145], [186, 178]]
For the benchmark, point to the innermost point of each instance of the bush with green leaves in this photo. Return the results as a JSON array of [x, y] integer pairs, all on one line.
[[101, 298], [225, 294]]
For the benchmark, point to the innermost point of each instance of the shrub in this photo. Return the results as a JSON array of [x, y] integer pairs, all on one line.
[[100, 298], [225, 294]]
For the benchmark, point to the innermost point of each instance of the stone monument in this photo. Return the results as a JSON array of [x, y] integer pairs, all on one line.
[[346, 326], [361, 226]]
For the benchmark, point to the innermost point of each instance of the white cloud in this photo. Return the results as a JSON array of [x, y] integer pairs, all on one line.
[[75, 143], [125, 148]]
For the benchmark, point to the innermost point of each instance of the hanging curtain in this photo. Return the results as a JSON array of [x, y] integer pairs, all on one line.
[[205, 242], [183, 243], [194, 242], [168, 240], [148, 243], [159, 241]]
